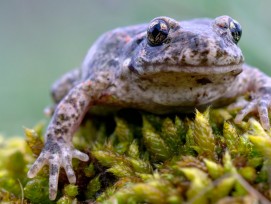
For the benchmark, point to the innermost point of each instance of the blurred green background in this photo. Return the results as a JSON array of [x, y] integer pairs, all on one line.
[[40, 40]]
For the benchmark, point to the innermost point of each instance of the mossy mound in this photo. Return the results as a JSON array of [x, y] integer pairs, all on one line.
[[143, 158]]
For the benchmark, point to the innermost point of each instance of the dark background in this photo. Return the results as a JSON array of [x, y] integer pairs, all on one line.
[[40, 40]]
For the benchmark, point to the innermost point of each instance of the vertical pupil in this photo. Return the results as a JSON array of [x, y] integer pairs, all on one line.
[[156, 30], [157, 33], [236, 32]]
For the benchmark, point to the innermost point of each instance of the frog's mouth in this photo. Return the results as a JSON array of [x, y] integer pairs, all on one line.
[[190, 76], [147, 71]]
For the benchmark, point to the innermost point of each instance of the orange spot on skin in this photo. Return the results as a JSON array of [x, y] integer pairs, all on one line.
[[87, 83], [127, 39]]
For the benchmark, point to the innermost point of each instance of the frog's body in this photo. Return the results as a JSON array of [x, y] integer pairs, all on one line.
[[163, 67]]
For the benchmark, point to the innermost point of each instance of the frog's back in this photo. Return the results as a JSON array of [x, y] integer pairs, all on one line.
[[107, 52]]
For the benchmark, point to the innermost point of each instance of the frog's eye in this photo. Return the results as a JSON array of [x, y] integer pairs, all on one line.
[[157, 32], [236, 30], [228, 24]]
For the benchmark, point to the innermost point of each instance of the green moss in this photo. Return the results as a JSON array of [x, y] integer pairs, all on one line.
[[37, 190], [93, 187], [149, 159], [71, 190]]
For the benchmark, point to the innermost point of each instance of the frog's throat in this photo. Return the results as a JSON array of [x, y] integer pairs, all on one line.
[[196, 70]]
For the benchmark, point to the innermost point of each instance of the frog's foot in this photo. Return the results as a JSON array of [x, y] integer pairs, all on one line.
[[57, 154], [259, 104]]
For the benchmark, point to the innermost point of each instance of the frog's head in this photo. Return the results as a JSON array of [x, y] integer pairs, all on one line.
[[200, 46]]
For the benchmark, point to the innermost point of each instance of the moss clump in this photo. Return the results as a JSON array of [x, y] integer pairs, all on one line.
[[147, 158]]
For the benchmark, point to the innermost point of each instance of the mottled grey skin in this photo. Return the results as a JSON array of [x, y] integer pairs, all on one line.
[[198, 64]]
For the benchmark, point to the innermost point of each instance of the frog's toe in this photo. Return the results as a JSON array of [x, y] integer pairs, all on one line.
[[70, 173], [246, 110], [38, 164], [54, 167], [240, 103], [263, 106], [67, 165], [79, 155]]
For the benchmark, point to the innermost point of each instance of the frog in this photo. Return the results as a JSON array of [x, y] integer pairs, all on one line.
[[164, 66]]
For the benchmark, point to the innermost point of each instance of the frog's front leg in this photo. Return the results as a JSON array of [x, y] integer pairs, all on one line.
[[58, 150], [260, 86]]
